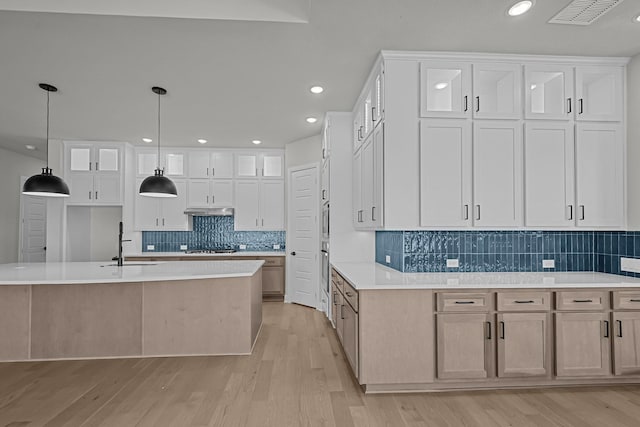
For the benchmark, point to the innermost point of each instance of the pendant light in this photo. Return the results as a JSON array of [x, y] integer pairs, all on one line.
[[46, 184], [158, 185]]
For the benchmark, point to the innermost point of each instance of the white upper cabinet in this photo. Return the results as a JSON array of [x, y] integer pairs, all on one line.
[[272, 205], [358, 218], [203, 193], [549, 174], [497, 174], [94, 173], [377, 102], [272, 165], [445, 172], [599, 93], [445, 89], [368, 181], [246, 165], [146, 163], [497, 91], [173, 163], [599, 175], [205, 164], [247, 208], [259, 205], [165, 214], [548, 92]]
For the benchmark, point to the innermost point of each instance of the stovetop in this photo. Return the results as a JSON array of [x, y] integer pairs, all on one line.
[[211, 251]]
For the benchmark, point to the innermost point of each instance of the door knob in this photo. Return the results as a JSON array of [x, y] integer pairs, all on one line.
[[293, 253]]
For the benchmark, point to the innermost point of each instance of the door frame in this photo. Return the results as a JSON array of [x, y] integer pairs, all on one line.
[[316, 237], [21, 223]]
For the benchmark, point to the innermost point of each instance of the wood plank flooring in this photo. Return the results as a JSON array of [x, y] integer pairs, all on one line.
[[297, 376]]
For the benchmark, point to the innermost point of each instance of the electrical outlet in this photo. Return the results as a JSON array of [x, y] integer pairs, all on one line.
[[630, 264], [183, 247], [151, 247], [387, 259], [548, 263], [243, 247], [453, 263], [276, 247]]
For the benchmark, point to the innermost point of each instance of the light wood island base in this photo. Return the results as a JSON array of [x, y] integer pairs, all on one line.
[[217, 316]]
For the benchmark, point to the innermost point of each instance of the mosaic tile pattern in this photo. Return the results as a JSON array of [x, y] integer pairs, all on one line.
[[212, 232], [490, 251]]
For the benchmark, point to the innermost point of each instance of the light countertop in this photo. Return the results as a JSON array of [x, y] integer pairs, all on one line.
[[107, 272], [183, 254], [373, 276]]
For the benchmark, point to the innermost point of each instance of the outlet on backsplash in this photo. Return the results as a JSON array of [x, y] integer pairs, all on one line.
[[453, 263], [243, 247], [387, 259], [151, 247]]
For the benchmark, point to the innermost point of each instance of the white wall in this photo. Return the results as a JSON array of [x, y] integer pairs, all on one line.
[[12, 166], [93, 235], [633, 143], [303, 152]]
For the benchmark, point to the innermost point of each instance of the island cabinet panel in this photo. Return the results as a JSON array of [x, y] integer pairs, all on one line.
[[14, 322], [523, 345], [582, 344], [190, 318], [83, 321], [396, 337], [626, 343], [464, 346]]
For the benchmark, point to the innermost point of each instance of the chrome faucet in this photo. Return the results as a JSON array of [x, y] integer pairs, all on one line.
[[120, 259]]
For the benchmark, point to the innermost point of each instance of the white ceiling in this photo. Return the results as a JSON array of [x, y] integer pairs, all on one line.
[[233, 81]]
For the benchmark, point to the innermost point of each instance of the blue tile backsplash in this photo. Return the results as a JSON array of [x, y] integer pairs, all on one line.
[[502, 251], [212, 232]]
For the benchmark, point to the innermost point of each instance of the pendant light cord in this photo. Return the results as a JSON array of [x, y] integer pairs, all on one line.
[[47, 130], [158, 131]]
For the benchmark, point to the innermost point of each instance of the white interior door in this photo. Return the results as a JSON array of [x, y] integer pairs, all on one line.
[[34, 229], [302, 266]]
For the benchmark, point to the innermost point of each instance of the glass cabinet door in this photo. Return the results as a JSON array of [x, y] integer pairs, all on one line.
[[246, 165], [146, 163], [272, 166], [174, 164], [548, 92], [496, 91], [445, 89], [108, 159], [599, 94], [80, 159]]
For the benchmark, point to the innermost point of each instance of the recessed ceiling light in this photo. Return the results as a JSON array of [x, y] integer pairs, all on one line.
[[317, 89], [311, 120], [533, 87], [202, 141], [147, 140], [637, 19], [520, 8], [257, 141], [441, 85], [30, 147]]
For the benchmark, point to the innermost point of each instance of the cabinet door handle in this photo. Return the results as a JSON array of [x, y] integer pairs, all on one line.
[[465, 212], [213, 199], [256, 222], [342, 311], [373, 213], [568, 105], [466, 103], [89, 195], [570, 212], [207, 171], [524, 302], [581, 212], [163, 222], [263, 222], [477, 104], [156, 222], [213, 171], [97, 168], [373, 114], [477, 212], [619, 322], [606, 329], [488, 330], [96, 195], [502, 330], [580, 104], [323, 194], [207, 199]]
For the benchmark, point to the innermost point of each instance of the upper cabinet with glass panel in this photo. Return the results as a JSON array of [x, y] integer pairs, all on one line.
[[599, 94], [497, 91], [94, 157], [548, 92], [445, 89]]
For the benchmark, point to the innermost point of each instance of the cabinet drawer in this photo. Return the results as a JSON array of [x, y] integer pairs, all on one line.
[[524, 301], [477, 301], [351, 295], [582, 300], [337, 280], [272, 261], [626, 300]]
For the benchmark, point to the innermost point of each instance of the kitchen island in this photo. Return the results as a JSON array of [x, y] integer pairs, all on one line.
[[90, 310], [452, 331]]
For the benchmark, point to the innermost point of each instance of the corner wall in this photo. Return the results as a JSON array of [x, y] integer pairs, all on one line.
[[633, 144], [12, 167]]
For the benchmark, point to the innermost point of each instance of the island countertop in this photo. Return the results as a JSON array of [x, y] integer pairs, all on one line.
[[238, 254], [374, 276], [106, 272]]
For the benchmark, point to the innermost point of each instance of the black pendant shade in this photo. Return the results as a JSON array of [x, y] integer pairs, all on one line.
[[46, 184], [158, 185]]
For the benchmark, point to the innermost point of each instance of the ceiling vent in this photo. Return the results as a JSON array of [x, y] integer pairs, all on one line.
[[584, 12]]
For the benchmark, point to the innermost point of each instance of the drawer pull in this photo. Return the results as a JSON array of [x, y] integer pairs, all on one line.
[[465, 302], [634, 300], [524, 302], [349, 294], [582, 300]]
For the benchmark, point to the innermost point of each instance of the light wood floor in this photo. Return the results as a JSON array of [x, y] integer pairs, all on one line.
[[297, 376]]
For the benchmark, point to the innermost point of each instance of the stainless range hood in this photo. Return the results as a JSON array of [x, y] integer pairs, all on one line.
[[209, 211]]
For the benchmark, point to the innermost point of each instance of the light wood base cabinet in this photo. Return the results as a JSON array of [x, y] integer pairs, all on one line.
[[524, 349], [583, 347], [464, 345], [626, 343]]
